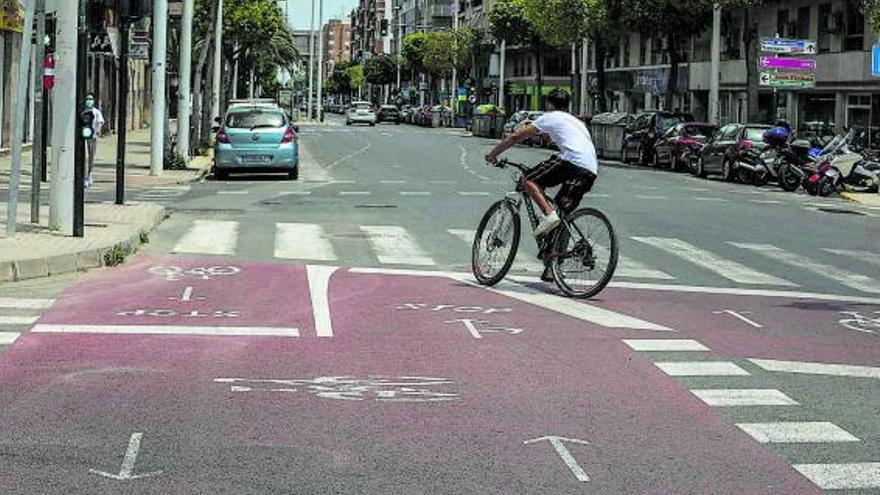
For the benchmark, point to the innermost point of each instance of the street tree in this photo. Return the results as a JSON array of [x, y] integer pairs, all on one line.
[[413, 51], [380, 70], [447, 49], [341, 77], [672, 21], [508, 22], [356, 76], [750, 40], [204, 44]]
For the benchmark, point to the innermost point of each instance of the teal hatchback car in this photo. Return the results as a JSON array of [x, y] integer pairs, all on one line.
[[256, 139]]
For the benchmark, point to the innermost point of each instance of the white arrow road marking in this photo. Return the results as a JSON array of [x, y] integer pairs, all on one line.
[[469, 325], [739, 316], [319, 286], [125, 473], [564, 453]]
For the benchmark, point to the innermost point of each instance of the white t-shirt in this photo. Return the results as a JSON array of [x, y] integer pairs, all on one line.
[[98, 121], [572, 138]]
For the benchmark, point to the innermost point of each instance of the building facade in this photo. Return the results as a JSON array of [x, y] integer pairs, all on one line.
[[337, 43]]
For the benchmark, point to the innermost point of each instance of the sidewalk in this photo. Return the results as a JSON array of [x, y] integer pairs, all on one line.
[[867, 199], [36, 251], [137, 164]]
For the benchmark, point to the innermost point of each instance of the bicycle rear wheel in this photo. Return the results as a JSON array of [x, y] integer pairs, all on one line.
[[585, 256], [495, 243]]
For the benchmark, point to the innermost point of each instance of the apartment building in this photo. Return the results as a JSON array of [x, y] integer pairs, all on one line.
[[337, 43], [370, 29]]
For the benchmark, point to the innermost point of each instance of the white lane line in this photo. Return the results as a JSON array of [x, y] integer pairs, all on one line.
[[415, 193], [716, 200], [349, 156], [295, 193], [646, 188], [846, 476], [473, 193], [342, 182], [728, 269], [582, 311], [765, 201], [302, 241], [16, 303], [523, 261], [687, 289], [642, 345], [233, 192], [7, 338], [392, 182], [18, 320], [740, 317], [394, 245], [817, 368], [599, 195], [319, 289], [630, 268], [845, 277], [209, 237], [797, 432], [640, 196], [701, 368], [697, 189], [354, 193], [169, 330], [861, 255], [724, 397], [447, 182]]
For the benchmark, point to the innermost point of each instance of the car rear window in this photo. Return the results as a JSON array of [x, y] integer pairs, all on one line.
[[362, 106], [698, 130], [755, 134], [255, 119], [664, 122]]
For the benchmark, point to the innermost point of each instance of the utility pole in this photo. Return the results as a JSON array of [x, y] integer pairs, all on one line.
[[38, 158], [157, 126], [585, 50], [64, 119], [218, 61], [19, 103], [320, 67], [399, 45], [121, 124], [455, 62], [311, 61], [79, 171], [184, 102], [503, 62], [715, 65]]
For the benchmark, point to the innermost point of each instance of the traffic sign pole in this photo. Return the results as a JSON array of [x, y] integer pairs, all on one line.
[[124, 26]]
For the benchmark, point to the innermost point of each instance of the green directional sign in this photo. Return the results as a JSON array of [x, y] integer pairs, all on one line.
[[790, 80]]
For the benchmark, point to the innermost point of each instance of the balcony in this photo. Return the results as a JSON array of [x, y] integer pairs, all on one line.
[[440, 10]]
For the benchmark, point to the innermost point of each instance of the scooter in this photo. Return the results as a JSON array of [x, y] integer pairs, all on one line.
[[848, 171], [796, 169]]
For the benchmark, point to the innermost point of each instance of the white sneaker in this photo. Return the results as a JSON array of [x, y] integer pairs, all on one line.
[[87, 182], [549, 223]]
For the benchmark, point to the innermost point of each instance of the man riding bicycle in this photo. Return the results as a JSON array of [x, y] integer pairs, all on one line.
[[575, 167]]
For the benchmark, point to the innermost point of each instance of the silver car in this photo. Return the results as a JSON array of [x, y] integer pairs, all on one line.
[[361, 112], [256, 139]]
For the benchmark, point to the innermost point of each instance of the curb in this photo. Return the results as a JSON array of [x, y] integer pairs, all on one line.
[[873, 201], [18, 270]]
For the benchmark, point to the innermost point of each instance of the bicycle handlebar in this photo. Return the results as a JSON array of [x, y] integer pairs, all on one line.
[[503, 163]]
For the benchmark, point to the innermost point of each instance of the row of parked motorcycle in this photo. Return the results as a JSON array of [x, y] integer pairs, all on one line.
[[759, 154]]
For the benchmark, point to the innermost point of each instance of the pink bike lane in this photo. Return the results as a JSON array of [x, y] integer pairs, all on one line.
[[385, 384]]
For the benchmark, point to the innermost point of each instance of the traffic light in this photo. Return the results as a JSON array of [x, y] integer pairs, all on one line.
[[384, 27], [87, 124]]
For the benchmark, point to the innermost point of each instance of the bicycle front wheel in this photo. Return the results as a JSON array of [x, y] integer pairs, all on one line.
[[495, 243], [585, 254]]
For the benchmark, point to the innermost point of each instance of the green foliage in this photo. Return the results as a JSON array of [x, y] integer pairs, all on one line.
[[174, 161], [871, 9], [381, 69], [562, 22], [507, 21], [115, 256], [446, 49], [672, 19], [356, 76], [413, 50]]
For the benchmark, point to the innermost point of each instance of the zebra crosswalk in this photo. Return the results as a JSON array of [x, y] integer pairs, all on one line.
[[648, 258], [17, 315]]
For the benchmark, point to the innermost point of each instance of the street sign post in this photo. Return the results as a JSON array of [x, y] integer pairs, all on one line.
[[875, 61], [791, 46], [787, 63], [789, 80]]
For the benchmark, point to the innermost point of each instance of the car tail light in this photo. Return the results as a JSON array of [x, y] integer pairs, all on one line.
[[289, 136], [222, 137], [744, 144]]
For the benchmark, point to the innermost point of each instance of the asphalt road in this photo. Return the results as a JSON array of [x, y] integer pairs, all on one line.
[[324, 336]]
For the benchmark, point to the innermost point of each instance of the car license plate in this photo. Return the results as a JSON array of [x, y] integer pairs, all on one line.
[[255, 159]]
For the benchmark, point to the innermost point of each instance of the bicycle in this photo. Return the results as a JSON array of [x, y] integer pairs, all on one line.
[[861, 323], [497, 240]]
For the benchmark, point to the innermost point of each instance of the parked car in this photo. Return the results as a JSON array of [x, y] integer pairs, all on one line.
[[541, 140], [513, 121], [256, 139], [642, 134], [361, 112], [719, 155], [388, 113], [680, 142]]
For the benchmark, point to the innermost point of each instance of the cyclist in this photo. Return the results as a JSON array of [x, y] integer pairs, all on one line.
[[575, 167]]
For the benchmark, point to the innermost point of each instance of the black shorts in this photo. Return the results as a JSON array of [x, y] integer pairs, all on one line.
[[576, 181]]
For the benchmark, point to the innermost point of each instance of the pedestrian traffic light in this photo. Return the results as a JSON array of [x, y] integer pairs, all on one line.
[[384, 27], [87, 124]]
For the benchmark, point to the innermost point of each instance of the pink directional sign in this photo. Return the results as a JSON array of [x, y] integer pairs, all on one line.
[[787, 63]]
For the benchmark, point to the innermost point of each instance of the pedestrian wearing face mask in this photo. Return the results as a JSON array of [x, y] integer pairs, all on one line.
[[92, 144]]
